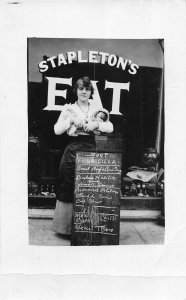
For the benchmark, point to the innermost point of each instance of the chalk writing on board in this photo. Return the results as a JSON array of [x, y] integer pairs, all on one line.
[[96, 196]]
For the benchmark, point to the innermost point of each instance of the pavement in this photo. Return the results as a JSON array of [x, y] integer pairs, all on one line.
[[131, 233]]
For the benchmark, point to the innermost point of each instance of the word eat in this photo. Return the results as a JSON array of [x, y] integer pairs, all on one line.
[[52, 93]]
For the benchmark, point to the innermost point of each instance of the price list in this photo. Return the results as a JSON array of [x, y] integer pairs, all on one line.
[[96, 210]]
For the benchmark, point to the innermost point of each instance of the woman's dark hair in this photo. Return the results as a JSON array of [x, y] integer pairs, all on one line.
[[85, 81]]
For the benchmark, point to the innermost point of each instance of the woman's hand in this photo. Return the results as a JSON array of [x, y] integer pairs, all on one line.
[[77, 122], [91, 126]]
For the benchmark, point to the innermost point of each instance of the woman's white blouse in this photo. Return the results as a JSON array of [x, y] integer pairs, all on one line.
[[63, 124]]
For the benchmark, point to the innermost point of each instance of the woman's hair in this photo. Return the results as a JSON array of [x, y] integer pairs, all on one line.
[[85, 81]]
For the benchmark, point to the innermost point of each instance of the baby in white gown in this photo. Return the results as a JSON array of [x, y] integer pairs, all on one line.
[[100, 115]]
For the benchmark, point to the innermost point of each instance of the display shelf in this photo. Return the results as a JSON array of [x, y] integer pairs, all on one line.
[[126, 202], [138, 202], [41, 201]]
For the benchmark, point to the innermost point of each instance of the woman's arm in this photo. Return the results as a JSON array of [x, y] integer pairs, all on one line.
[[106, 127], [63, 124]]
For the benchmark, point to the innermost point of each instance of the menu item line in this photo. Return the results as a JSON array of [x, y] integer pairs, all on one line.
[[113, 207], [98, 173], [95, 232]]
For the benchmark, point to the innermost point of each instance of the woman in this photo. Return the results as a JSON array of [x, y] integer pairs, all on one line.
[[78, 114]]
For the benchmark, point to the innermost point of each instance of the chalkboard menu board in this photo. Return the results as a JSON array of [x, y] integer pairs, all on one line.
[[96, 211]]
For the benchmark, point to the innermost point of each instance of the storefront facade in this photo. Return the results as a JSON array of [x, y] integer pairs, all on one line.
[[128, 81]]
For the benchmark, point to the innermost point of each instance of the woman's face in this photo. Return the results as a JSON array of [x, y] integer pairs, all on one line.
[[83, 93]]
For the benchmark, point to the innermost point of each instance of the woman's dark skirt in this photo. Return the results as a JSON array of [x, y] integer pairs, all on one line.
[[65, 194]]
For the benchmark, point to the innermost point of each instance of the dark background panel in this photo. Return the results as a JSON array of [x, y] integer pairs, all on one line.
[[139, 107]]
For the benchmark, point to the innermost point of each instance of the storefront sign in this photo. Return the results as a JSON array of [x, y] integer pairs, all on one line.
[[93, 57], [115, 86]]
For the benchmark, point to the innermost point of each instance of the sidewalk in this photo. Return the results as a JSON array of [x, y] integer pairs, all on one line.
[[131, 233]]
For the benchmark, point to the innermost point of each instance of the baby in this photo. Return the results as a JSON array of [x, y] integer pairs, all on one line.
[[100, 115]]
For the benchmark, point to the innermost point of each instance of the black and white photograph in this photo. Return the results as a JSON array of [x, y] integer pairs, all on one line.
[[95, 141], [92, 149]]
